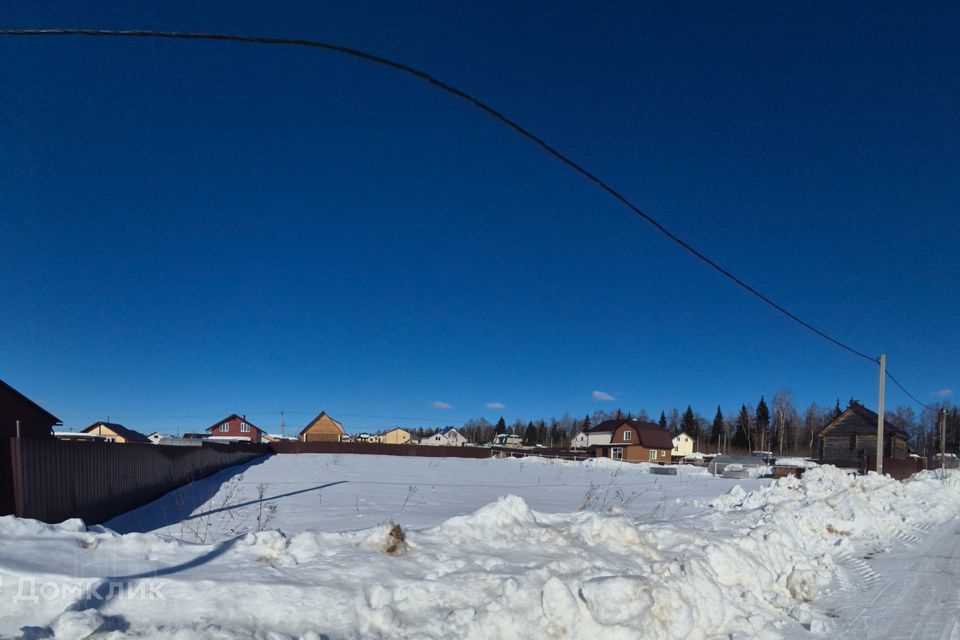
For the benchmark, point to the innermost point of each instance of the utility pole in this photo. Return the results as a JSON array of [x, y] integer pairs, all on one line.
[[883, 375], [282, 426], [943, 442]]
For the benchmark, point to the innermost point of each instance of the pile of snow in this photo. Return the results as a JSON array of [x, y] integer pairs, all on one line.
[[754, 563]]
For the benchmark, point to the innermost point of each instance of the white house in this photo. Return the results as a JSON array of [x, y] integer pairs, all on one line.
[[447, 437], [507, 440], [156, 437], [599, 434], [682, 446]]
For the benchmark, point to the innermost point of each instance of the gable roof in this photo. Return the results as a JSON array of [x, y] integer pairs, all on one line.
[[858, 420], [319, 416], [230, 417], [653, 436], [447, 430], [19, 396], [649, 434], [128, 434]]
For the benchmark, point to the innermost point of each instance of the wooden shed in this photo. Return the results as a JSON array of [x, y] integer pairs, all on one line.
[[852, 436], [323, 428]]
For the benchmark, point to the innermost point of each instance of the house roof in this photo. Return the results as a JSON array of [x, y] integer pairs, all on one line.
[[230, 417], [5, 387], [125, 433], [649, 434], [858, 420], [447, 430], [320, 415]]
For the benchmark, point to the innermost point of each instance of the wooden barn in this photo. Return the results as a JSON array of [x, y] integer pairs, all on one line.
[[634, 441], [323, 428], [35, 421], [852, 436]]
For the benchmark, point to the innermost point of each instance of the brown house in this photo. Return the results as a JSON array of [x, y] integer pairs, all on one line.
[[35, 421], [852, 436], [235, 428], [113, 432], [323, 428], [634, 441]]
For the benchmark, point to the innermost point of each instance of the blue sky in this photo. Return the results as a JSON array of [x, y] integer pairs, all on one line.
[[194, 229]]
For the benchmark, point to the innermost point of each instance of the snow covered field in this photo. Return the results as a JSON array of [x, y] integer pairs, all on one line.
[[492, 549]]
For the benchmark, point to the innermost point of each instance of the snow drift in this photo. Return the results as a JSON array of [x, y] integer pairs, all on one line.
[[752, 564]]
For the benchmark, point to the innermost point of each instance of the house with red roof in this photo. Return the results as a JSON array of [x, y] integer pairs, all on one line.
[[630, 440], [235, 428]]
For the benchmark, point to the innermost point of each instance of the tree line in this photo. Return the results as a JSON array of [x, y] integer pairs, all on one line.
[[776, 426]]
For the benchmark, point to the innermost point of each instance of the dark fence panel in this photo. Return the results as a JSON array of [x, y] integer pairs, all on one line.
[[6, 478], [541, 452], [380, 449], [898, 468], [56, 479]]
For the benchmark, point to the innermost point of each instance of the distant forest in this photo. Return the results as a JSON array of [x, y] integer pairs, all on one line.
[[777, 426]]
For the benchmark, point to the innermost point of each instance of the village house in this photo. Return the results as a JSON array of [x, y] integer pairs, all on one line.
[[235, 428], [35, 421], [446, 437], [852, 437], [634, 441], [323, 428], [507, 440], [596, 435], [113, 432], [682, 446], [395, 436]]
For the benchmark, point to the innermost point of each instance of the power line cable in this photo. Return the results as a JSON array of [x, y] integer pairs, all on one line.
[[909, 395], [423, 75], [489, 110]]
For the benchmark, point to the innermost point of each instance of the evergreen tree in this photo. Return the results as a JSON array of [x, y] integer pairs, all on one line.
[[530, 435], [554, 433], [836, 411], [586, 423], [761, 424], [542, 433], [689, 424], [663, 420], [501, 426], [741, 435], [717, 429]]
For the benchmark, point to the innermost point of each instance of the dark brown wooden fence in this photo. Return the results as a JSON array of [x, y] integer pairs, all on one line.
[[380, 449], [53, 480], [6, 478], [899, 468]]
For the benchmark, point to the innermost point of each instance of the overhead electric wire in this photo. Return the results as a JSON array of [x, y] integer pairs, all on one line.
[[909, 395], [489, 110]]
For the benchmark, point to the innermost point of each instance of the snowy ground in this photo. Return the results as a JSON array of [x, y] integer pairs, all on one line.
[[570, 550], [319, 492]]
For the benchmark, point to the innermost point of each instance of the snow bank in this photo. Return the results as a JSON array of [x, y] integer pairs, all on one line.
[[753, 563]]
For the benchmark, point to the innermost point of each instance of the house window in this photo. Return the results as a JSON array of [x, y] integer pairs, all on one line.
[[244, 427], [225, 426], [616, 453], [653, 454], [627, 435]]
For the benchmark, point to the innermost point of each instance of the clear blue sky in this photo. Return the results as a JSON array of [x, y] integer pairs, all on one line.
[[193, 229]]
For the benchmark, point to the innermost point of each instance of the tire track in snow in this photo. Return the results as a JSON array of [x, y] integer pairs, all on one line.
[[915, 595]]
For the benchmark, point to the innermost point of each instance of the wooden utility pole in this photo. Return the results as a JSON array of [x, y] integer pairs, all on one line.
[[883, 376]]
